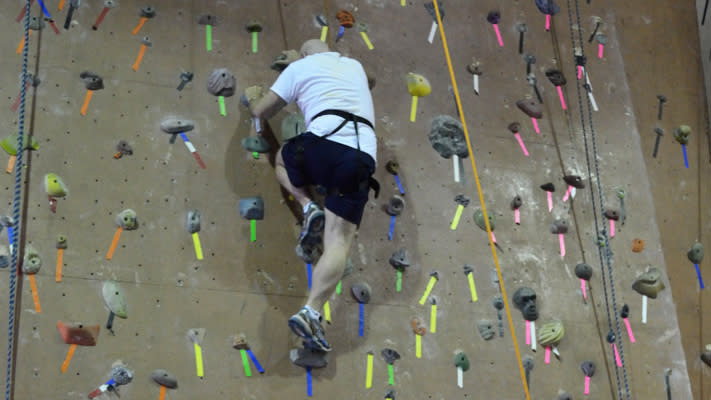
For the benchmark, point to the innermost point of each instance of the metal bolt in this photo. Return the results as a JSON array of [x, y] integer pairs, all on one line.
[[598, 21], [521, 28], [530, 59], [662, 99], [660, 132], [532, 81]]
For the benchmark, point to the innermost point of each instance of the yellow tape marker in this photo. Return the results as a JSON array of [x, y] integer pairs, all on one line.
[[457, 216], [198, 359], [418, 346], [369, 372], [366, 39], [413, 109], [327, 312], [324, 32], [402, 3], [430, 285], [433, 318], [472, 287], [198, 247]]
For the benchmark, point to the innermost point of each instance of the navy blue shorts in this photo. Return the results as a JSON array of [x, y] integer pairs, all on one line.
[[312, 160]]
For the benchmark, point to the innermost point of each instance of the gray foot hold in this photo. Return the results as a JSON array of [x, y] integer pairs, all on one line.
[[308, 358], [164, 378], [361, 291], [400, 259], [177, 125], [256, 143], [530, 108], [252, 208], [221, 83], [447, 137]]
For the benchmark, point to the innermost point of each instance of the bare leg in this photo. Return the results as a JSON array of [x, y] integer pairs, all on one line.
[[300, 194], [337, 239]]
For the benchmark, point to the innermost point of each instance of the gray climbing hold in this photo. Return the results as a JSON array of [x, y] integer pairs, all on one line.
[[530, 108], [574, 181], [252, 208], [516, 202], [462, 199], [588, 368], [429, 6], [121, 375], [461, 361], [583, 271], [696, 253], [601, 38], [127, 219], [361, 292], [486, 329], [146, 40], [559, 226], [61, 242], [390, 355], [525, 300], [193, 223], [479, 219], [91, 80], [292, 125], [207, 19], [148, 12], [547, 7], [612, 214], [400, 259], [164, 378], [706, 358], [308, 358], [395, 205], [32, 261], [562, 395], [649, 283], [221, 82], [177, 125], [468, 269], [4, 261], [114, 298], [256, 143], [36, 24], [447, 137]]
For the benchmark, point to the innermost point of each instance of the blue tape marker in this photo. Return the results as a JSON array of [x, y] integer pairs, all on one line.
[[686, 159], [698, 275], [10, 235], [361, 318], [184, 136], [392, 227], [399, 185], [341, 30], [44, 9], [308, 381], [308, 273], [254, 360]]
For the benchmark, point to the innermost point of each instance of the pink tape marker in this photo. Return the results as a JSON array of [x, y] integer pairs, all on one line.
[[583, 287], [520, 143], [612, 228], [547, 358], [562, 244], [517, 216], [493, 238], [535, 125], [548, 22], [580, 72], [567, 195], [550, 201], [629, 329], [617, 356], [528, 332], [600, 50], [562, 99], [498, 35], [587, 385]]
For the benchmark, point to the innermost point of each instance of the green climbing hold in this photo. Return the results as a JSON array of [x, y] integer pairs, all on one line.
[[551, 333], [9, 144], [114, 299], [461, 361], [479, 219], [54, 185]]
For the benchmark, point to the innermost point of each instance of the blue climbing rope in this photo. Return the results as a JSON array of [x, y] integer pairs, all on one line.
[[16, 203], [606, 258]]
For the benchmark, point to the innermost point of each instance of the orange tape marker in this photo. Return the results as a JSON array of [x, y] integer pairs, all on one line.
[[70, 354], [35, 296], [140, 57], [60, 262], [87, 99], [162, 393], [22, 43], [61, 4], [11, 164], [114, 242], [139, 26]]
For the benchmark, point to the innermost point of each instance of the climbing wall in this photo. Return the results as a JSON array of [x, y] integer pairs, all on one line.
[[249, 281]]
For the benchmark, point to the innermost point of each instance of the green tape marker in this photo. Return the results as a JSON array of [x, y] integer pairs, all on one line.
[[223, 110], [254, 42], [255, 155], [398, 282], [208, 37], [245, 362], [338, 287], [391, 379], [253, 230]]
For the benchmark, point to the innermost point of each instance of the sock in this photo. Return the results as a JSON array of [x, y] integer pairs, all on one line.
[[313, 313], [307, 206]]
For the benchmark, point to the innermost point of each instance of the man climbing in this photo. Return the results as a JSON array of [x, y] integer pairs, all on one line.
[[337, 152]]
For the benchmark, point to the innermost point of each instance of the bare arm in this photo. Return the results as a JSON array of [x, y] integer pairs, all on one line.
[[267, 106]]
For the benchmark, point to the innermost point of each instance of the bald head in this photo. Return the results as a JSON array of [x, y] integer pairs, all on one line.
[[313, 46]]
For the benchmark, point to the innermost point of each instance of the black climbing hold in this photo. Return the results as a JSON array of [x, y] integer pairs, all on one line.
[[574, 181], [612, 214], [625, 312], [525, 300], [493, 17], [548, 187], [588, 368], [461, 361], [559, 226], [516, 202], [390, 355], [583, 271]]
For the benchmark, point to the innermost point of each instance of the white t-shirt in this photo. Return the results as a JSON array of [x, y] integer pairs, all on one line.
[[325, 81]]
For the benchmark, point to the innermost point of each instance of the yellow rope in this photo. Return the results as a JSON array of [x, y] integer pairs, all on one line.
[[481, 200]]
